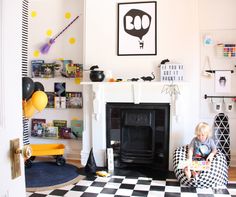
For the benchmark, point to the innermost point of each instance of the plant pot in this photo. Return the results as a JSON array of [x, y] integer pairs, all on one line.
[[97, 75]]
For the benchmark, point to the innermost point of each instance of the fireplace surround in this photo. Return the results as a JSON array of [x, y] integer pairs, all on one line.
[[96, 95]]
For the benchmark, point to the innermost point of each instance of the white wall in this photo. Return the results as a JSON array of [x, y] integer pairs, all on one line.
[[177, 40], [217, 19], [180, 25], [46, 16]]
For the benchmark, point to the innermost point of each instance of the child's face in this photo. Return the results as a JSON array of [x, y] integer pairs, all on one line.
[[202, 137]]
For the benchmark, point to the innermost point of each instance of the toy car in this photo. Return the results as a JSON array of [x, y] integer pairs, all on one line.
[[55, 150]]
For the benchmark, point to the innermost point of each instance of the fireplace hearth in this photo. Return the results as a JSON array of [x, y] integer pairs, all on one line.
[[139, 134]]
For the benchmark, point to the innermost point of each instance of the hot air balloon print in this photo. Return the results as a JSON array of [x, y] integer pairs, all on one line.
[[137, 28]]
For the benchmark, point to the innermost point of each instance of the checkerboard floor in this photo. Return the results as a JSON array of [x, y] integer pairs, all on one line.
[[122, 186]]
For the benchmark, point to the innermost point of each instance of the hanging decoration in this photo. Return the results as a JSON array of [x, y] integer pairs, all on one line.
[[45, 48], [173, 91]]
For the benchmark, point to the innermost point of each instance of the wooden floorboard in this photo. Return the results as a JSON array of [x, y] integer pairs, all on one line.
[[232, 173]]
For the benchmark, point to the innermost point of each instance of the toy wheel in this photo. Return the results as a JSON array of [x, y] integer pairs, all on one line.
[[60, 161], [28, 163], [32, 158]]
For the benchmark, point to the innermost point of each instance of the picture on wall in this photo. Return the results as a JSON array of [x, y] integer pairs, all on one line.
[[222, 81], [137, 28]]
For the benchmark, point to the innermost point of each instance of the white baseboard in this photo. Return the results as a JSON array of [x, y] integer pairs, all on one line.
[[99, 157], [84, 157]]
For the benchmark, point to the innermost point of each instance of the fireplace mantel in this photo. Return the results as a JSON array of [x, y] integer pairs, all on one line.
[[97, 94]]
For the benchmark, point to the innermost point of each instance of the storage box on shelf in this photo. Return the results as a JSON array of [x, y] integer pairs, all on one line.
[[226, 50]]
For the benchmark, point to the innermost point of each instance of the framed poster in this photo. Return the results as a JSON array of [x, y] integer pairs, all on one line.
[[137, 31], [222, 81]]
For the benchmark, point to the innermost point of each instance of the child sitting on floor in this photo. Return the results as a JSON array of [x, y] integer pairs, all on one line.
[[202, 147]]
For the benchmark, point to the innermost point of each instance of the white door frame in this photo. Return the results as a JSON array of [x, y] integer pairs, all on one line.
[[10, 94]]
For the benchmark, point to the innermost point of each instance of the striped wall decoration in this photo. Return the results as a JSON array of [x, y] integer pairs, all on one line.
[[24, 62], [25, 10]]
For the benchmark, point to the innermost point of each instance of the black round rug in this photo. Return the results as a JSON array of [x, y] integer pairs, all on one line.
[[46, 174]]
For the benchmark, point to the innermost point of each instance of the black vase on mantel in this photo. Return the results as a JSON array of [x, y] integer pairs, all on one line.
[[91, 166]]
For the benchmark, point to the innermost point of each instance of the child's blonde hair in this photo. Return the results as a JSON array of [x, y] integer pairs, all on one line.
[[203, 128]]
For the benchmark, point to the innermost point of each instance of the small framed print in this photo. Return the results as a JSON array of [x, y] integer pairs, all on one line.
[[223, 81], [137, 31]]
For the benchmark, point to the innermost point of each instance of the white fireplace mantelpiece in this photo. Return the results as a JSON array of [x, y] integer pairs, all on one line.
[[97, 94]]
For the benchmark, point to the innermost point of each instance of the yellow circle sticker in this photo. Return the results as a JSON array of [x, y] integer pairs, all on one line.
[[67, 15], [36, 53], [33, 14], [72, 40], [49, 32]]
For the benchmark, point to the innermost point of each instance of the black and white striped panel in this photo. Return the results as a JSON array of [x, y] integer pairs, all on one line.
[[24, 62], [25, 131], [25, 10]]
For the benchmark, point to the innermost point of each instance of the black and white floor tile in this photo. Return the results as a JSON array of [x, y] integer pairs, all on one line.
[[122, 186]]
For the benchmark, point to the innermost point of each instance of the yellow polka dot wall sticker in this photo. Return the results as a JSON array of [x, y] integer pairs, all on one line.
[[72, 40], [36, 53], [49, 32], [77, 80], [67, 15], [33, 14]]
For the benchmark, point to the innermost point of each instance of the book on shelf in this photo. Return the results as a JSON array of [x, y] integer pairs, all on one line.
[[65, 64], [74, 70], [58, 67], [74, 100], [60, 89], [36, 68], [50, 96], [47, 70], [77, 128], [71, 70], [51, 132], [59, 102], [79, 71], [65, 133], [59, 123], [37, 127]]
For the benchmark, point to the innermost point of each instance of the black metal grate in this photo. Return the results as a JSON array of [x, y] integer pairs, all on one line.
[[139, 133]]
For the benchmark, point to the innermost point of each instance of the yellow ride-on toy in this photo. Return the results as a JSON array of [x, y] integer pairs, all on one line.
[[55, 150]]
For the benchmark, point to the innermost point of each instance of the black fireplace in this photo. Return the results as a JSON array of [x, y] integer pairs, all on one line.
[[139, 133]]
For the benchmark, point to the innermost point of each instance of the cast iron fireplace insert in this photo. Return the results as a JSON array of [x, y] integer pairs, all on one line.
[[139, 133]]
